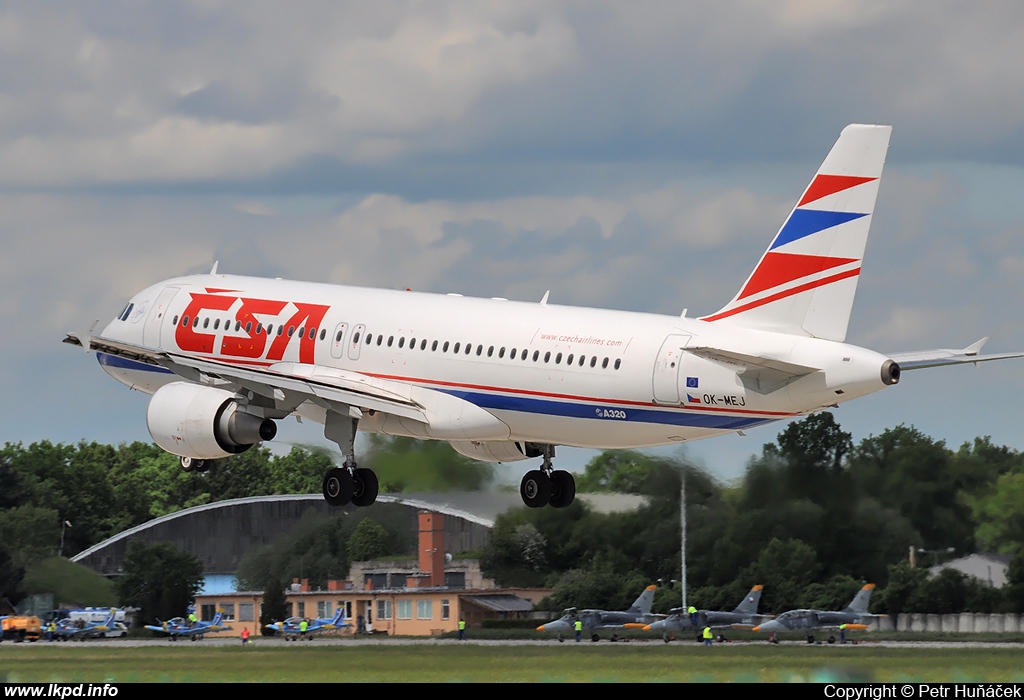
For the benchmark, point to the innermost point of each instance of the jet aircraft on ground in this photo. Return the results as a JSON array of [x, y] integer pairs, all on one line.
[[679, 621], [226, 357], [291, 628], [855, 616], [593, 621], [180, 627]]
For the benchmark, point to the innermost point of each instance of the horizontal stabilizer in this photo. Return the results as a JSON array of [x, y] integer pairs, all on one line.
[[945, 356], [759, 374]]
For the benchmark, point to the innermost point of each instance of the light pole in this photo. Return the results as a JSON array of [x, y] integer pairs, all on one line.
[[63, 524], [682, 523]]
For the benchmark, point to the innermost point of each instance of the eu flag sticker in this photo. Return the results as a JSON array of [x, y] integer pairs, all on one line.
[[691, 383]]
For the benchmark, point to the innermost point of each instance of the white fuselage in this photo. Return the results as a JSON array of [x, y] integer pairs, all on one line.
[[550, 374]]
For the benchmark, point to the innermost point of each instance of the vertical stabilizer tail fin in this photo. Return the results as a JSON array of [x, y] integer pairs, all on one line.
[[805, 282], [645, 602], [748, 606], [860, 601]]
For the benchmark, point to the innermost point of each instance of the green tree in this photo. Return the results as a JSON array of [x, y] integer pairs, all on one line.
[[30, 532], [11, 576], [901, 589], [159, 579], [1000, 515], [405, 464], [369, 540]]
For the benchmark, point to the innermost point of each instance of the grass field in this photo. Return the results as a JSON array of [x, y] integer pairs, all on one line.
[[635, 662]]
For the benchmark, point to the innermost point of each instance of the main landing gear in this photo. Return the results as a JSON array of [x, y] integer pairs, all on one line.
[[194, 465], [548, 486], [348, 483]]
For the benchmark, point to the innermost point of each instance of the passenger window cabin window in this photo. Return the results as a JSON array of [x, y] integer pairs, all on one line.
[[433, 346], [618, 363], [195, 323], [480, 350], [206, 323], [302, 331], [604, 364], [547, 356], [525, 353], [593, 361], [259, 328], [582, 359], [423, 344], [248, 326], [469, 348], [280, 330], [412, 344], [174, 322], [558, 359], [501, 353], [312, 333], [444, 348], [391, 340], [380, 339], [401, 342], [216, 324], [536, 354], [355, 338], [291, 331], [456, 348], [568, 360], [337, 337], [184, 322], [323, 334]]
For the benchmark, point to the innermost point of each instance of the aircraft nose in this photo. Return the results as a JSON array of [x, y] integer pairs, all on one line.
[[770, 626]]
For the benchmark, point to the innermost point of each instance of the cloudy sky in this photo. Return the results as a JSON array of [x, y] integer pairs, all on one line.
[[634, 155]]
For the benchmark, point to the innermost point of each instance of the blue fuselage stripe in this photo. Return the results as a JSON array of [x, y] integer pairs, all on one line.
[[124, 363]]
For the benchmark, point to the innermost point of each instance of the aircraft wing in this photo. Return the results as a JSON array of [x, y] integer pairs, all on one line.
[[945, 356], [287, 383], [760, 374]]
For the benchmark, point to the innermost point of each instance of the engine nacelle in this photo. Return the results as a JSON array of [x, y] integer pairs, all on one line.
[[491, 450], [202, 422]]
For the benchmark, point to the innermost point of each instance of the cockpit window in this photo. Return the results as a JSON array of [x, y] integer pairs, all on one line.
[[123, 316]]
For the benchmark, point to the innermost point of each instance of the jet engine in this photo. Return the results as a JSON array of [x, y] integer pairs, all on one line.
[[203, 422]]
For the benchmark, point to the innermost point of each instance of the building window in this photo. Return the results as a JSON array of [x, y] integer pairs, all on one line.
[[424, 610], [245, 612], [229, 610], [302, 609], [445, 609], [383, 609], [404, 610], [323, 608]]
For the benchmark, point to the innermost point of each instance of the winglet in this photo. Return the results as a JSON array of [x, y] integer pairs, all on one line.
[[544, 300], [213, 270]]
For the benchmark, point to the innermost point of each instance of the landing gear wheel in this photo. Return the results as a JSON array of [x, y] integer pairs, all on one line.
[[337, 486], [831, 639], [535, 489], [563, 489], [364, 487], [810, 639], [594, 638], [193, 465]]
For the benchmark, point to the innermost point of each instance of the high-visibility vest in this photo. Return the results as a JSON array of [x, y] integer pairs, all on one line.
[[707, 633], [462, 624], [578, 626]]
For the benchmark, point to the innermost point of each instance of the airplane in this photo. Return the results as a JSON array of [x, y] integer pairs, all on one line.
[[853, 616], [636, 616], [68, 629], [180, 627], [225, 357], [678, 620], [290, 627]]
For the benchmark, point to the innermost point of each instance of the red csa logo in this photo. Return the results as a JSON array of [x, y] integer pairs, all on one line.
[[251, 339]]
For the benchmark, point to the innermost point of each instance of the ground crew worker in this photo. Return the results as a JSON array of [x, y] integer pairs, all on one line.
[[245, 636], [303, 626], [842, 633], [192, 619], [462, 628], [693, 615], [707, 636], [578, 626]]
